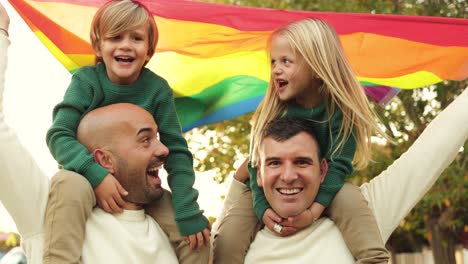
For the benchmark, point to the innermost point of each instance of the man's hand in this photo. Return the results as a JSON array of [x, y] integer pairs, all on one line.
[[4, 19], [198, 240], [306, 218], [270, 218], [109, 195]]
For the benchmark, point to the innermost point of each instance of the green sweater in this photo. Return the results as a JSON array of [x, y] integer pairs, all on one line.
[[90, 89], [339, 165]]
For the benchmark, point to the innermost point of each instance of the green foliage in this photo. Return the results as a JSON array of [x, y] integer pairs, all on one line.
[[218, 146]]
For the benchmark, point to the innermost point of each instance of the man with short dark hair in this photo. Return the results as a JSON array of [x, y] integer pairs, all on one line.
[[291, 170]]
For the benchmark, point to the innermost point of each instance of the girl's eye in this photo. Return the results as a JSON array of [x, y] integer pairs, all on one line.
[[286, 61], [115, 37]]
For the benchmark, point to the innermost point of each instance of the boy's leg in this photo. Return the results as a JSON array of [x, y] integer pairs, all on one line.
[[236, 231], [71, 200], [163, 212], [351, 214]]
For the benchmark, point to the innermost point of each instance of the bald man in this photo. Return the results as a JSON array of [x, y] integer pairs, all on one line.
[[113, 134], [130, 237]]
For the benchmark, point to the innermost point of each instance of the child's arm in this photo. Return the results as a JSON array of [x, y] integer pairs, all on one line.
[[242, 173], [179, 165], [71, 154]]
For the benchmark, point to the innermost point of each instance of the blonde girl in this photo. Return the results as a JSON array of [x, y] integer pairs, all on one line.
[[311, 79]]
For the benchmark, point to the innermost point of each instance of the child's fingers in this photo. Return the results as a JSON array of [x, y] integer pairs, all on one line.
[[192, 242], [119, 200], [103, 204], [206, 236], [199, 241], [114, 207], [121, 189], [287, 231]]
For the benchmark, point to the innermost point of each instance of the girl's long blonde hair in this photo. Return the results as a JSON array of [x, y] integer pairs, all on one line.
[[319, 45]]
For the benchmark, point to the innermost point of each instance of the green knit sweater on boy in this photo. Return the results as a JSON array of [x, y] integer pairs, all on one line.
[[90, 89], [339, 162]]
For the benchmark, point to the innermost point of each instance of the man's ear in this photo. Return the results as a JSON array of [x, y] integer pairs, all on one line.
[[103, 158], [323, 170], [259, 176]]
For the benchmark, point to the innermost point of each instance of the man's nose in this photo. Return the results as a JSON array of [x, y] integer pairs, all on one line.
[[288, 174], [160, 149]]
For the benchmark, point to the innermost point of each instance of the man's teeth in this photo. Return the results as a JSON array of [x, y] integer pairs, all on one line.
[[289, 191], [152, 170]]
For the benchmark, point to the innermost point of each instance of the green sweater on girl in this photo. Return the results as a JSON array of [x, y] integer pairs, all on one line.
[[90, 89], [339, 163]]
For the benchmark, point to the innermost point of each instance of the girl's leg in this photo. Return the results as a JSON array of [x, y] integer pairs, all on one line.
[[354, 218]]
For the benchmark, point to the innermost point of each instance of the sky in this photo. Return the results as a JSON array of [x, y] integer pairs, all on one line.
[[35, 83]]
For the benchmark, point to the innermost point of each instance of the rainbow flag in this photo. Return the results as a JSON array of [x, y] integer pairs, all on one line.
[[214, 55]]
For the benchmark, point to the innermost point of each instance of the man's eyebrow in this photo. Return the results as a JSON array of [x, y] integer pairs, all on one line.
[[271, 158], [145, 129], [305, 158]]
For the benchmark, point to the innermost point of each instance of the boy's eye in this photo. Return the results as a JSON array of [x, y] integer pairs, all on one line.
[[137, 38]]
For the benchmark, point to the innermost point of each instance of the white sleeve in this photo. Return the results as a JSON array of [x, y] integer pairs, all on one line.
[[24, 187], [396, 191]]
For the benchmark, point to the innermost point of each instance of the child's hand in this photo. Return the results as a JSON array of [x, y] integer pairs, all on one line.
[[307, 217], [109, 195], [270, 219], [242, 173], [196, 241], [4, 18]]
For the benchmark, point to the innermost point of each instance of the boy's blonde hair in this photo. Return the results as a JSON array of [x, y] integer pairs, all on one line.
[[319, 45], [117, 16]]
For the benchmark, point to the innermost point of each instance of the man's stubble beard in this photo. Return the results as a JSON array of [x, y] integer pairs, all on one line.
[[139, 192]]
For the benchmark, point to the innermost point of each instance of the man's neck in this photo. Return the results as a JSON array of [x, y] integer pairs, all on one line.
[[132, 206]]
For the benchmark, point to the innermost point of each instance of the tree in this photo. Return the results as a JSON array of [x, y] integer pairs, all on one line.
[[441, 215]]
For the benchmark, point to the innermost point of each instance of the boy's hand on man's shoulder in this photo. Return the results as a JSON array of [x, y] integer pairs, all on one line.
[[109, 195]]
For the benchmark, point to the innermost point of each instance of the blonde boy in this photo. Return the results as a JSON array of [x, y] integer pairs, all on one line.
[[124, 37]]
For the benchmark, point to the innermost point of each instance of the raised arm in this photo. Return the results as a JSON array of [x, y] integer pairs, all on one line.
[[23, 186], [396, 191]]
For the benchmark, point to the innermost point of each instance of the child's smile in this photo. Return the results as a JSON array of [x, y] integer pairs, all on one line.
[[125, 54]]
